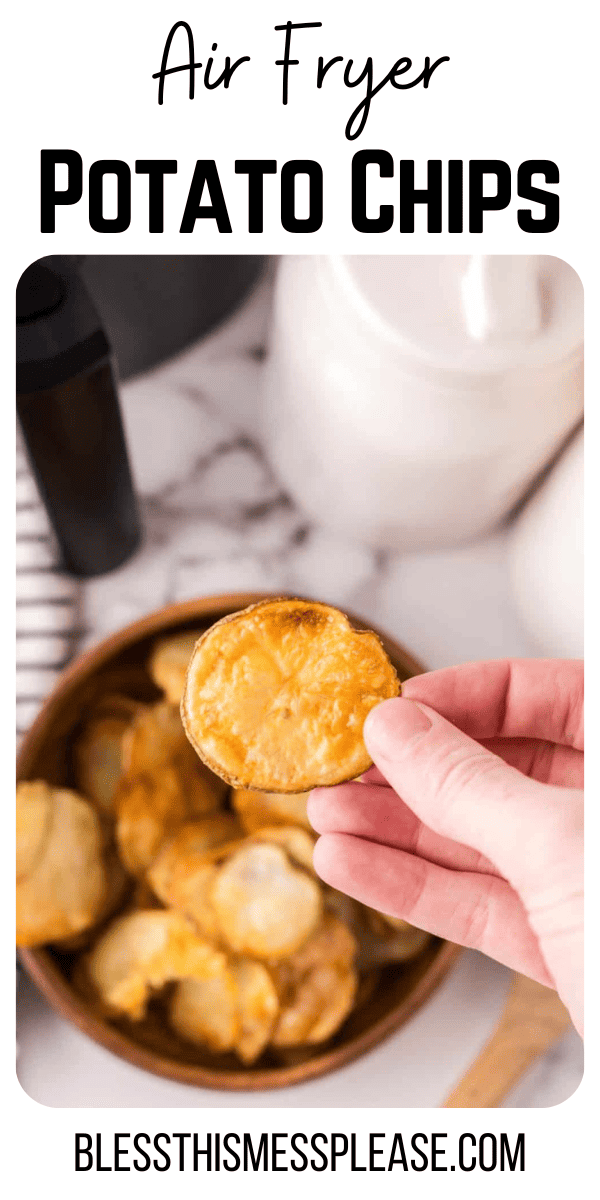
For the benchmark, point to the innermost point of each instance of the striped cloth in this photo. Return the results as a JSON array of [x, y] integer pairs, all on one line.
[[47, 601]]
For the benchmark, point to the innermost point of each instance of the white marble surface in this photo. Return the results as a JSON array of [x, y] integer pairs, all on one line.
[[216, 520]]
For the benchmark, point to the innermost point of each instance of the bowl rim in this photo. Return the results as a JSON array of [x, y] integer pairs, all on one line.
[[46, 974]]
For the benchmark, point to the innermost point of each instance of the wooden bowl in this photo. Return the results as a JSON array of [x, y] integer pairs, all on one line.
[[118, 664]]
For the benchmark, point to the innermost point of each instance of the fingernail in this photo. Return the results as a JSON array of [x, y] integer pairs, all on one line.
[[391, 723]]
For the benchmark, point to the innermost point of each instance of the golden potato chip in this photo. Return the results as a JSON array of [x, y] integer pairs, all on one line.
[[331, 942], [169, 663], [34, 818], [62, 881], [297, 843], [257, 809], [258, 1007], [276, 696], [188, 847], [316, 985], [149, 807], [141, 952], [156, 738], [205, 1011], [98, 760], [319, 1003], [118, 891], [182, 877], [338, 1002], [265, 906], [174, 787]]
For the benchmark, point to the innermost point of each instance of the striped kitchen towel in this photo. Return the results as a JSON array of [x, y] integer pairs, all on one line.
[[47, 601]]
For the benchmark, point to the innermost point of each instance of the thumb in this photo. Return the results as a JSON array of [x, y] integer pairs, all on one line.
[[458, 788]]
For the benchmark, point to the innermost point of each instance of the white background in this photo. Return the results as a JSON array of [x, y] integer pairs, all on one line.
[[518, 86]]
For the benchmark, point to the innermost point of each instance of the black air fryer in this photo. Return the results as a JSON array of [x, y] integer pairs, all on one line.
[[72, 312]]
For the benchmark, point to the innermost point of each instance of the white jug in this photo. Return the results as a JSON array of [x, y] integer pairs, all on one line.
[[410, 401], [546, 558]]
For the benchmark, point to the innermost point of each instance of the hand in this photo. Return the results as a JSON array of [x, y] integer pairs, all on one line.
[[470, 824]]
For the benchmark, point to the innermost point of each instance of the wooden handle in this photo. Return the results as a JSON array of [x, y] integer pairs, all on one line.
[[533, 1018]]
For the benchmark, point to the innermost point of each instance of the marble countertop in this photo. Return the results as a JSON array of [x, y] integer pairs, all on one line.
[[216, 520]]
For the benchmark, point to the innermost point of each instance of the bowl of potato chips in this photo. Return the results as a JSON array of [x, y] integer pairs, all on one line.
[[167, 902]]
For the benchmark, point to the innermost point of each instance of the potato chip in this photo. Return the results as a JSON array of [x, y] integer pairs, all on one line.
[[316, 985], [34, 818], [338, 1003], [141, 952], [62, 882], [205, 1011], [297, 843], [258, 1007], [276, 696], [257, 809], [149, 807], [98, 760], [182, 878], [331, 942], [156, 738], [188, 847], [169, 663], [164, 785], [265, 906]]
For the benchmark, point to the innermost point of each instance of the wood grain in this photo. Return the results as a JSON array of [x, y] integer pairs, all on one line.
[[533, 1019]]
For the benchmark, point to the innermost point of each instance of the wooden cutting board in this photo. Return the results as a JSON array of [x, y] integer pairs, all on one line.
[[533, 1019]]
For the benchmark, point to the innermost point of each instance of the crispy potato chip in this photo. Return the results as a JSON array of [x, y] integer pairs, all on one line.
[[316, 985], [151, 804], [297, 843], [62, 882], [276, 696], [257, 809], [206, 1011], [141, 952], [193, 899], [169, 663], [188, 847], [338, 1004], [118, 892], [182, 877], [258, 1007], [234, 1010], [98, 760], [265, 906], [156, 738], [331, 942], [149, 808], [34, 818]]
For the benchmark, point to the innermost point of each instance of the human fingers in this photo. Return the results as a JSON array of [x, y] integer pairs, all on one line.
[[548, 763], [537, 698], [376, 813], [462, 791], [479, 911], [562, 766]]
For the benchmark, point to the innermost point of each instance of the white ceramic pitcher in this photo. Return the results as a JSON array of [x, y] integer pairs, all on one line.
[[410, 401]]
